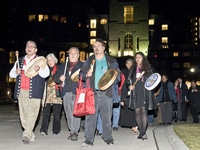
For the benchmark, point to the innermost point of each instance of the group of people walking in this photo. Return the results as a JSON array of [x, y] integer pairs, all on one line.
[[122, 104]]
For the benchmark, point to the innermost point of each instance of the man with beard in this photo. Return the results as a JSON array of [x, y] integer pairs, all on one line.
[[103, 99]]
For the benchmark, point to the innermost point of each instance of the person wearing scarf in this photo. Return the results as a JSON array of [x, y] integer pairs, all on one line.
[[51, 99]]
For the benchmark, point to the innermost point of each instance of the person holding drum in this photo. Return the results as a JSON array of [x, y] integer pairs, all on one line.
[[64, 76], [94, 68], [141, 98], [51, 99], [30, 81]]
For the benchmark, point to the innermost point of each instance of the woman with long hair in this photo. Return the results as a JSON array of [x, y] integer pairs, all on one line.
[[143, 99]]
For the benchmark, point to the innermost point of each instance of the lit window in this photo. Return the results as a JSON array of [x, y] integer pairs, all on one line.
[[186, 65], [11, 57], [79, 24], [46, 17], [175, 54], [164, 40], [164, 27], [93, 23], [128, 14], [186, 54], [62, 57], [55, 17], [82, 56], [128, 53], [31, 18], [128, 42], [92, 41], [151, 21], [103, 21], [93, 33], [63, 20], [40, 18]]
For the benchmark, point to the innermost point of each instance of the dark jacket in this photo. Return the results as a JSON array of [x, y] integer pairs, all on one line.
[[37, 84], [171, 90], [149, 94], [111, 62], [69, 85]]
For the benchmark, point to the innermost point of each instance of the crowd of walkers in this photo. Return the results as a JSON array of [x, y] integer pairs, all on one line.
[[126, 103]]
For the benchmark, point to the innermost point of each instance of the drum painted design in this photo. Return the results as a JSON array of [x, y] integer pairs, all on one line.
[[152, 81]]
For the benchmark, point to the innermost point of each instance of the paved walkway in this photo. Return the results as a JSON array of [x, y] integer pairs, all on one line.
[[159, 137]]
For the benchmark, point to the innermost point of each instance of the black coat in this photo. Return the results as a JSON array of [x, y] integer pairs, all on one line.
[[148, 94]]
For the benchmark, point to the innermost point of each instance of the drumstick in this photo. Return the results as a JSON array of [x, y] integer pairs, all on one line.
[[92, 66], [66, 65], [65, 71], [17, 55], [138, 78]]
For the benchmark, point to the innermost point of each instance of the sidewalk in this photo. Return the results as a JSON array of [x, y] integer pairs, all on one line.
[[159, 137]]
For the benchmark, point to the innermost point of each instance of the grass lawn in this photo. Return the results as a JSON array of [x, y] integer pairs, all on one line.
[[189, 134]]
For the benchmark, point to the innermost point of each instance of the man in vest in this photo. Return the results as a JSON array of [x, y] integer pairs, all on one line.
[[28, 90]]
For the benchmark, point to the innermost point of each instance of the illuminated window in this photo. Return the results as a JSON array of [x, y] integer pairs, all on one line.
[[31, 18], [93, 33], [151, 21], [186, 65], [164, 27], [55, 17], [128, 53], [103, 21], [62, 57], [40, 17], [93, 23], [63, 20], [186, 54], [175, 54], [128, 14], [128, 41], [11, 57], [46, 17], [82, 56], [92, 41], [164, 40]]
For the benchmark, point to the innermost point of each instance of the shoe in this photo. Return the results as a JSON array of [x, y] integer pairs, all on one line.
[[98, 134], [144, 137], [25, 139], [43, 133], [115, 129], [54, 133], [87, 143], [110, 142], [135, 130], [74, 136]]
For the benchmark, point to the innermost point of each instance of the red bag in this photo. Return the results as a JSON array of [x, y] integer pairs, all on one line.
[[84, 103]]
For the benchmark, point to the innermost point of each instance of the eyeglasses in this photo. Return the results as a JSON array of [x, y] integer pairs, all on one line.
[[30, 47]]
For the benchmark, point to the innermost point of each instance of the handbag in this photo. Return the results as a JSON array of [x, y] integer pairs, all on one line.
[[84, 103]]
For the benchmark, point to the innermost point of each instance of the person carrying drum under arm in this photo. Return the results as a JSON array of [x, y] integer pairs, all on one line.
[[29, 90], [51, 99], [64, 76], [94, 68]]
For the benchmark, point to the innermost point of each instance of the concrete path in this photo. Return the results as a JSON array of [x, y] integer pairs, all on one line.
[[159, 137]]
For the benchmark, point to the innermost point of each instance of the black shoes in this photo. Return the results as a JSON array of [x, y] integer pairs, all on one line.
[[115, 129], [110, 142], [98, 134], [87, 143], [73, 137]]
